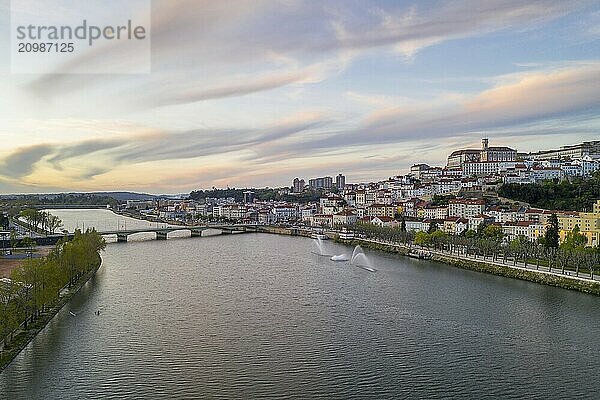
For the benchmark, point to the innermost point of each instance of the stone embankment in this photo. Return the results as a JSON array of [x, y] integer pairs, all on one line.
[[542, 277]]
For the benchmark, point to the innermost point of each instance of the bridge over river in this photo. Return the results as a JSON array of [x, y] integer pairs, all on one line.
[[161, 233], [196, 231]]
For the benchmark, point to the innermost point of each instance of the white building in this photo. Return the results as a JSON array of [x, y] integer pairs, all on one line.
[[324, 220], [588, 165], [455, 225], [483, 168], [531, 230], [547, 173], [345, 217], [465, 208], [285, 212], [380, 221]]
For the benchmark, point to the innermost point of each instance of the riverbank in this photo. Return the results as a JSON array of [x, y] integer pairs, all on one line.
[[486, 266], [21, 339], [541, 277]]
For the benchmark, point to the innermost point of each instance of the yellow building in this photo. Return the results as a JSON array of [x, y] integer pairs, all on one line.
[[589, 225], [380, 210]]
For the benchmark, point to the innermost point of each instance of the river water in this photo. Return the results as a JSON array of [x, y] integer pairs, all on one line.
[[102, 219], [261, 316]]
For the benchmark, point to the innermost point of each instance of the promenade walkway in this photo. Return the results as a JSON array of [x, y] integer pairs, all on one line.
[[510, 263]]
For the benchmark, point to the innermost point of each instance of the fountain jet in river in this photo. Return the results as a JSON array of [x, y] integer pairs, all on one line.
[[321, 250], [359, 259]]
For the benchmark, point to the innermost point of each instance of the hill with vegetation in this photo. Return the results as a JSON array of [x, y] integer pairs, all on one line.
[[575, 195], [264, 194]]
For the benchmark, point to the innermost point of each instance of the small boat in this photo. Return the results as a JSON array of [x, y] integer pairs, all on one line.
[[319, 236], [345, 234], [72, 313], [421, 255], [341, 257]]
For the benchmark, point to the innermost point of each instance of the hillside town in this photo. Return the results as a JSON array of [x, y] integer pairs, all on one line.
[[455, 198]]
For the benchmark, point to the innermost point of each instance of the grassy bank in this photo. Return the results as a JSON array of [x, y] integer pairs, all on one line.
[[564, 282], [24, 336], [38, 288]]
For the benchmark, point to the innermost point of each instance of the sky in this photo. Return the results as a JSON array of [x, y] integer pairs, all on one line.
[[256, 93]]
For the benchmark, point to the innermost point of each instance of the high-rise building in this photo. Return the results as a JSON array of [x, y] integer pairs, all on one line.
[[249, 196], [340, 182], [298, 185], [321, 183]]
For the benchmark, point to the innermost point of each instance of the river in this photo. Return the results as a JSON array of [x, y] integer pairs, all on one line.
[[102, 219], [259, 316]]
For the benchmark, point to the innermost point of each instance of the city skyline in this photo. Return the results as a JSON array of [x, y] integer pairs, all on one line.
[[253, 95]]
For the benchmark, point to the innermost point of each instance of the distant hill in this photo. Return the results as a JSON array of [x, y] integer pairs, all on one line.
[[124, 196], [89, 197]]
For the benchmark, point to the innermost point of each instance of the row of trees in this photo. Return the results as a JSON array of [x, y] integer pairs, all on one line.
[[41, 219], [35, 286], [28, 200], [264, 194], [489, 242], [3, 220]]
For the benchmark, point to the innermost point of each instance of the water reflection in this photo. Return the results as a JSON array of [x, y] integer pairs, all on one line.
[[258, 315]]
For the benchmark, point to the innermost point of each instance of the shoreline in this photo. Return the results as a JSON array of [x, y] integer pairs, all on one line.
[[23, 338], [483, 266], [536, 276], [541, 277]]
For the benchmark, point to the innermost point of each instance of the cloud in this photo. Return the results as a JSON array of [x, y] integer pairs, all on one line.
[[86, 147], [515, 99], [282, 55], [515, 104], [234, 89], [531, 96], [206, 142], [22, 161], [270, 44], [82, 159], [414, 29]]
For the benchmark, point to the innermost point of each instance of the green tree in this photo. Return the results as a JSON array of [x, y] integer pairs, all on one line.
[[11, 314], [438, 238], [13, 239], [53, 223], [574, 240], [422, 239], [551, 237], [592, 260], [3, 220], [576, 195], [433, 226], [481, 227], [469, 234], [493, 232]]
